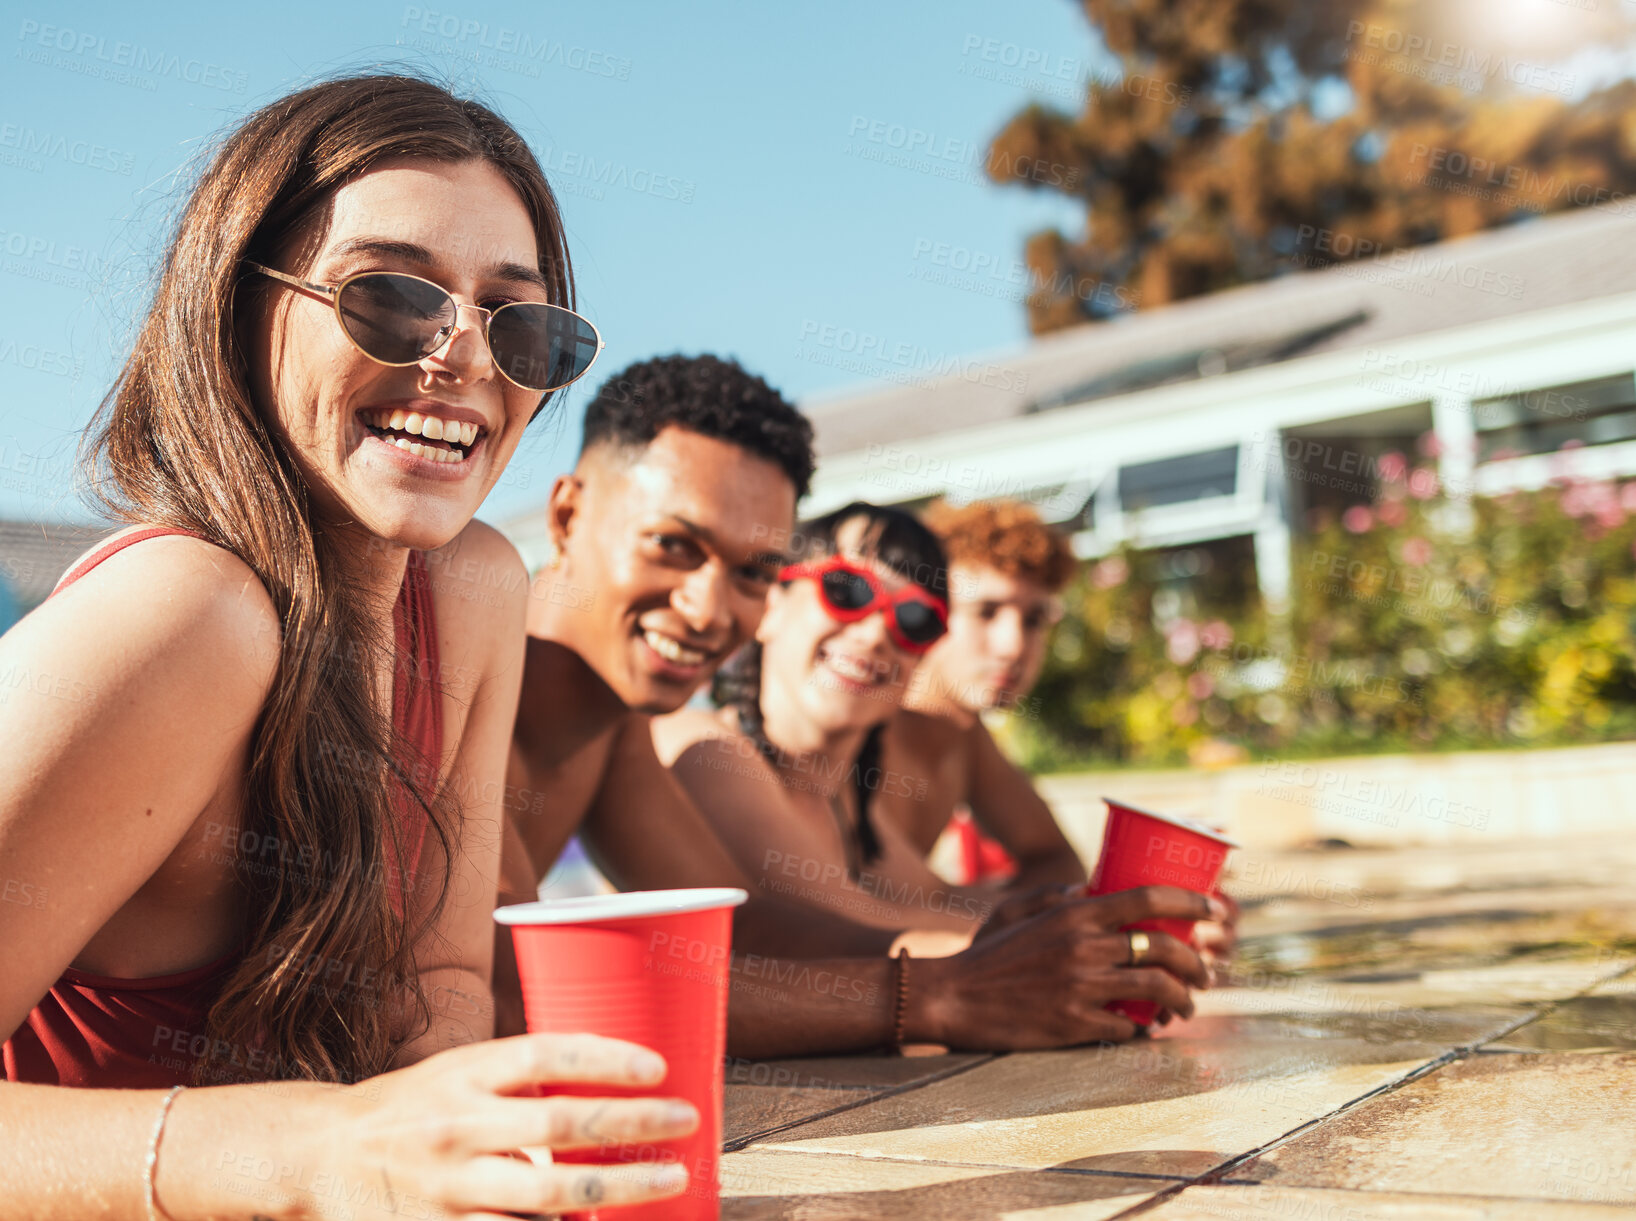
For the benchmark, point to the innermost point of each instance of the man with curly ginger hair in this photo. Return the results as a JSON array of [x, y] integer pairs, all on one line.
[[1007, 569]]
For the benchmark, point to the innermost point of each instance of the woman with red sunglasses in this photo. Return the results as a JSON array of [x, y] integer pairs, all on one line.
[[788, 769], [248, 830], [863, 600]]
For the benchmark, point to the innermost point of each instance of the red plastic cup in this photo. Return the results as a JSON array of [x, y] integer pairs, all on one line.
[[650, 967], [1141, 848]]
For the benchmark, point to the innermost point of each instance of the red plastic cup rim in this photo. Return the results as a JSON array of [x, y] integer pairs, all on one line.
[[1186, 824], [631, 905]]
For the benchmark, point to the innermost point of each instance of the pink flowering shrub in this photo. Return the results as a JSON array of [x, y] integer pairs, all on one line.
[[1421, 622]]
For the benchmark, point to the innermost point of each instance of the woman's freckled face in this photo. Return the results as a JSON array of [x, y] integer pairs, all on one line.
[[315, 381]]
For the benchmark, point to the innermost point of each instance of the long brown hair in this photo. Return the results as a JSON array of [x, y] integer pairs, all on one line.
[[179, 442]]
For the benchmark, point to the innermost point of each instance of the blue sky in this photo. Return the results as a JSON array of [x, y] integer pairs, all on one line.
[[724, 170]]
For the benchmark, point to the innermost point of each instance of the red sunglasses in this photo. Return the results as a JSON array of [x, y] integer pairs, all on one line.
[[918, 619]]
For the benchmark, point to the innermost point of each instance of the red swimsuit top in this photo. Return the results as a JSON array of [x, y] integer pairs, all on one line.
[[109, 1033]]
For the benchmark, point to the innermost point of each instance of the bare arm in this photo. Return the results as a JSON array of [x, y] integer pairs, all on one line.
[[785, 855], [148, 699], [1007, 806], [1040, 983], [646, 831], [643, 829], [429, 1140]]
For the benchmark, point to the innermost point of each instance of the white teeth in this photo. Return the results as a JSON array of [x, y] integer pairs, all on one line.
[[425, 451], [850, 667], [670, 650], [433, 428]]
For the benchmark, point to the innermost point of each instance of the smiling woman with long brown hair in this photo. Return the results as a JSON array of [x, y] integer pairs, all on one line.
[[260, 835]]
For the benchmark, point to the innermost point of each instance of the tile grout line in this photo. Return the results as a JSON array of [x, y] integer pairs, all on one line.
[[1433, 1195], [1216, 1174], [1212, 1177], [889, 1159], [739, 1143], [1546, 1008]]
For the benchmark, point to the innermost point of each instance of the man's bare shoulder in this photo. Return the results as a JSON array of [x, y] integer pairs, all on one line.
[[927, 733], [676, 731]]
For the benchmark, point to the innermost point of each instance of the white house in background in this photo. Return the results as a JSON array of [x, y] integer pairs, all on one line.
[[1216, 423]]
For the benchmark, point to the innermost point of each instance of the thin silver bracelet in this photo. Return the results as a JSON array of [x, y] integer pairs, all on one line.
[[155, 1213]]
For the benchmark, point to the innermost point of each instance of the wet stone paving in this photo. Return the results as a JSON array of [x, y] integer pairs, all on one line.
[[1443, 1033]]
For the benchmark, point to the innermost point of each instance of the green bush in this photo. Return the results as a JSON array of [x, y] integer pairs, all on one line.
[[1420, 622]]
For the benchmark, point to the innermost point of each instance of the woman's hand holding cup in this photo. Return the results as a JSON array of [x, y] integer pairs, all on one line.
[[441, 1137]]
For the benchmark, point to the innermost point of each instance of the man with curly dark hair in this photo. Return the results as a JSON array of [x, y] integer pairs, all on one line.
[[669, 532], [667, 535], [661, 439], [705, 395]]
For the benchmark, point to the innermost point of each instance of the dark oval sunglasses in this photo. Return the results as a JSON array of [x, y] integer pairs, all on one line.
[[917, 619], [398, 319]]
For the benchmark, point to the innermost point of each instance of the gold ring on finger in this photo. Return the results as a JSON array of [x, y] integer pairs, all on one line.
[[1138, 947]]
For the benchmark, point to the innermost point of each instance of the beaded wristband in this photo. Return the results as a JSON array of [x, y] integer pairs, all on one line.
[[901, 1007], [155, 1213]]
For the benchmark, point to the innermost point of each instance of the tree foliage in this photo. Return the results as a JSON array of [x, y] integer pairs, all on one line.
[[1241, 139]]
